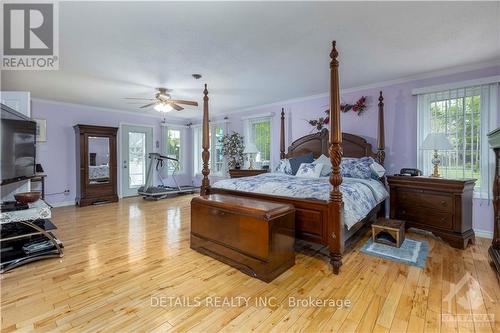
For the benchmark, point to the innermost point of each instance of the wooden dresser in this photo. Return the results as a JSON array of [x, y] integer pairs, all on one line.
[[494, 250], [442, 206], [238, 173]]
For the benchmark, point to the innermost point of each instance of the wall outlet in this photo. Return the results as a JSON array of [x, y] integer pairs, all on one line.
[[66, 191]]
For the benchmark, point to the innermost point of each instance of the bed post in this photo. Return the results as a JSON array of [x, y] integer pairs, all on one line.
[[282, 134], [381, 134], [335, 205], [205, 155]]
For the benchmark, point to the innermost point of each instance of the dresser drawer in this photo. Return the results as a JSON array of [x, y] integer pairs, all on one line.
[[427, 216], [425, 199]]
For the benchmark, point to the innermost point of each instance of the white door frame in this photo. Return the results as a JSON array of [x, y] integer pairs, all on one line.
[[121, 124]]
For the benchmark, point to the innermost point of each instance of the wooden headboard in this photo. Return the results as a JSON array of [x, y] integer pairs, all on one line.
[[318, 143]]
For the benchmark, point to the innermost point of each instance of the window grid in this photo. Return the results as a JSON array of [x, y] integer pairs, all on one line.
[[459, 118], [174, 150], [261, 136]]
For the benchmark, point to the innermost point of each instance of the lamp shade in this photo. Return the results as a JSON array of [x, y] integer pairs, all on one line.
[[436, 141], [250, 148]]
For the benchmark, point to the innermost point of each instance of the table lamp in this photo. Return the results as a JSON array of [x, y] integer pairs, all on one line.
[[436, 141], [250, 149]]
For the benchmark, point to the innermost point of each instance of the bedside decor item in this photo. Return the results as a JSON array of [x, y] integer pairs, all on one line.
[[388, 232], [359, 107], [441, 206], [251, 150], [494, 250], [232, 149], [436, 141], [27, 197], [41, 130], [412, 252]]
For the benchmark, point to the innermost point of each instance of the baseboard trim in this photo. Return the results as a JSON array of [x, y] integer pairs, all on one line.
[[483, 233], [63, 204]]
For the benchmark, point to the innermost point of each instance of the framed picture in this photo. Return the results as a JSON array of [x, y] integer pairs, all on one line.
[[41, 130]]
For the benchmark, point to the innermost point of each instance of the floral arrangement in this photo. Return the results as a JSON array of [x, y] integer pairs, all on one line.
[[358, 107], [232, 148]]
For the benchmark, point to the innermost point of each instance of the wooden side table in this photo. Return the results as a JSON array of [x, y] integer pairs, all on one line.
[[238, 173], [388, 232]]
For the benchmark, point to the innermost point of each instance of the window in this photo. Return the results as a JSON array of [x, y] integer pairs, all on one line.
[[173, 148], [216, 162], [465, 116], [258, 131]]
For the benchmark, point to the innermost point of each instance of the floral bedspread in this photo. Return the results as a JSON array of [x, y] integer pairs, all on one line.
[[360, 196]]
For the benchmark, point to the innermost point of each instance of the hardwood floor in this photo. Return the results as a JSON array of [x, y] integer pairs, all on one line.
[[123, 259]]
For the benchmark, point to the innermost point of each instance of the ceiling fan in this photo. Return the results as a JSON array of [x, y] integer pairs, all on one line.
[[163, 102]]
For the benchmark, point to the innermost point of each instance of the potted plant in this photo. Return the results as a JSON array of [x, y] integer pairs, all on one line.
[[232, 149]]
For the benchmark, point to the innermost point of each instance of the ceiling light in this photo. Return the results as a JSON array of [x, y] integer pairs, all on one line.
[[163, 107]]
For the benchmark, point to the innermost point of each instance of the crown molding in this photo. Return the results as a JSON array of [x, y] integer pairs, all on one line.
[[381, 84], [98, 108]]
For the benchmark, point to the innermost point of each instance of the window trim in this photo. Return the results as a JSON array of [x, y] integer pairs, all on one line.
[[248, 120], [182, 128], [197, 150], [488, 88]]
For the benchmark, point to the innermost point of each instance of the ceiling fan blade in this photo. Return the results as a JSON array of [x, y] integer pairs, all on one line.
[[181, 101], [148, 105], [176, 107], [139, 98]]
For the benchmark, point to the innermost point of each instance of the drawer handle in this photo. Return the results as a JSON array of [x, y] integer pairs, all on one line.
[[443, 203]]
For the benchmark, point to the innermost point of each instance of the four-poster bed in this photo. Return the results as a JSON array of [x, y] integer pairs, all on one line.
[[318, 221]]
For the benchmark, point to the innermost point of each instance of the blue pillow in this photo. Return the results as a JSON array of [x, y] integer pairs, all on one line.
[[295, 162], [356, 167]]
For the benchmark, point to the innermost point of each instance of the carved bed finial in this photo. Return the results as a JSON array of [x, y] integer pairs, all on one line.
[[381, 134], [205, 155], [282, 134], [333, 55]]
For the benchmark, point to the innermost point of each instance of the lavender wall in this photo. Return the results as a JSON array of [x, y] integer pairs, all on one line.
[[57, 155], [400, 125]]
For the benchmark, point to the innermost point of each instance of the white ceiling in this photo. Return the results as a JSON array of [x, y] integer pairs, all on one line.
[[252, 53]]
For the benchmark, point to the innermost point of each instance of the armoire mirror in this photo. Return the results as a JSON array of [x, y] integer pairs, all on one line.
[[96, 162]]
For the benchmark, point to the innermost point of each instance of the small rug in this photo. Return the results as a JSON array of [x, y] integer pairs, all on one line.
[[412, 252]]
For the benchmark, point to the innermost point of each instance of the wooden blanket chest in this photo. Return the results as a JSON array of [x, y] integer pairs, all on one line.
[[255, 236]]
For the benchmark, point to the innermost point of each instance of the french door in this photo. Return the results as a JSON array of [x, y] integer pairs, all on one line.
[[136, 143]]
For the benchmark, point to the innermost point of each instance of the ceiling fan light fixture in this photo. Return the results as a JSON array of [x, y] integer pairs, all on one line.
[[163, 107]]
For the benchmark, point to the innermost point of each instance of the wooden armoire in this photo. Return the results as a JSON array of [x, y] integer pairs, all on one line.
[[96, 164]]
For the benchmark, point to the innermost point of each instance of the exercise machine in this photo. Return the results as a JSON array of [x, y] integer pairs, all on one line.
[[151, 192]]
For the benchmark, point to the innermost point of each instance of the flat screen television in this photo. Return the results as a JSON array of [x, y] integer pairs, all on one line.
[[17, 135]]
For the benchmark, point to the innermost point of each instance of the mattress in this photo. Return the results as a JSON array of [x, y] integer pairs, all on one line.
[[360, 196]]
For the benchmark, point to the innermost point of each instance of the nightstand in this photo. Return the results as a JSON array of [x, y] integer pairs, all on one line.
[[441, 206], [238, 173]]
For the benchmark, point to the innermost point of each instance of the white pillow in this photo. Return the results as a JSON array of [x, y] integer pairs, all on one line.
[[327, 165], [377, 170], [309, 170]]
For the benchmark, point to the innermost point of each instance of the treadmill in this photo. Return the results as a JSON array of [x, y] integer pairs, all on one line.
[[151, 192]]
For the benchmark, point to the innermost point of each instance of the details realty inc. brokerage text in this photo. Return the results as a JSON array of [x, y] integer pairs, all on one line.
[[239, 301]]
